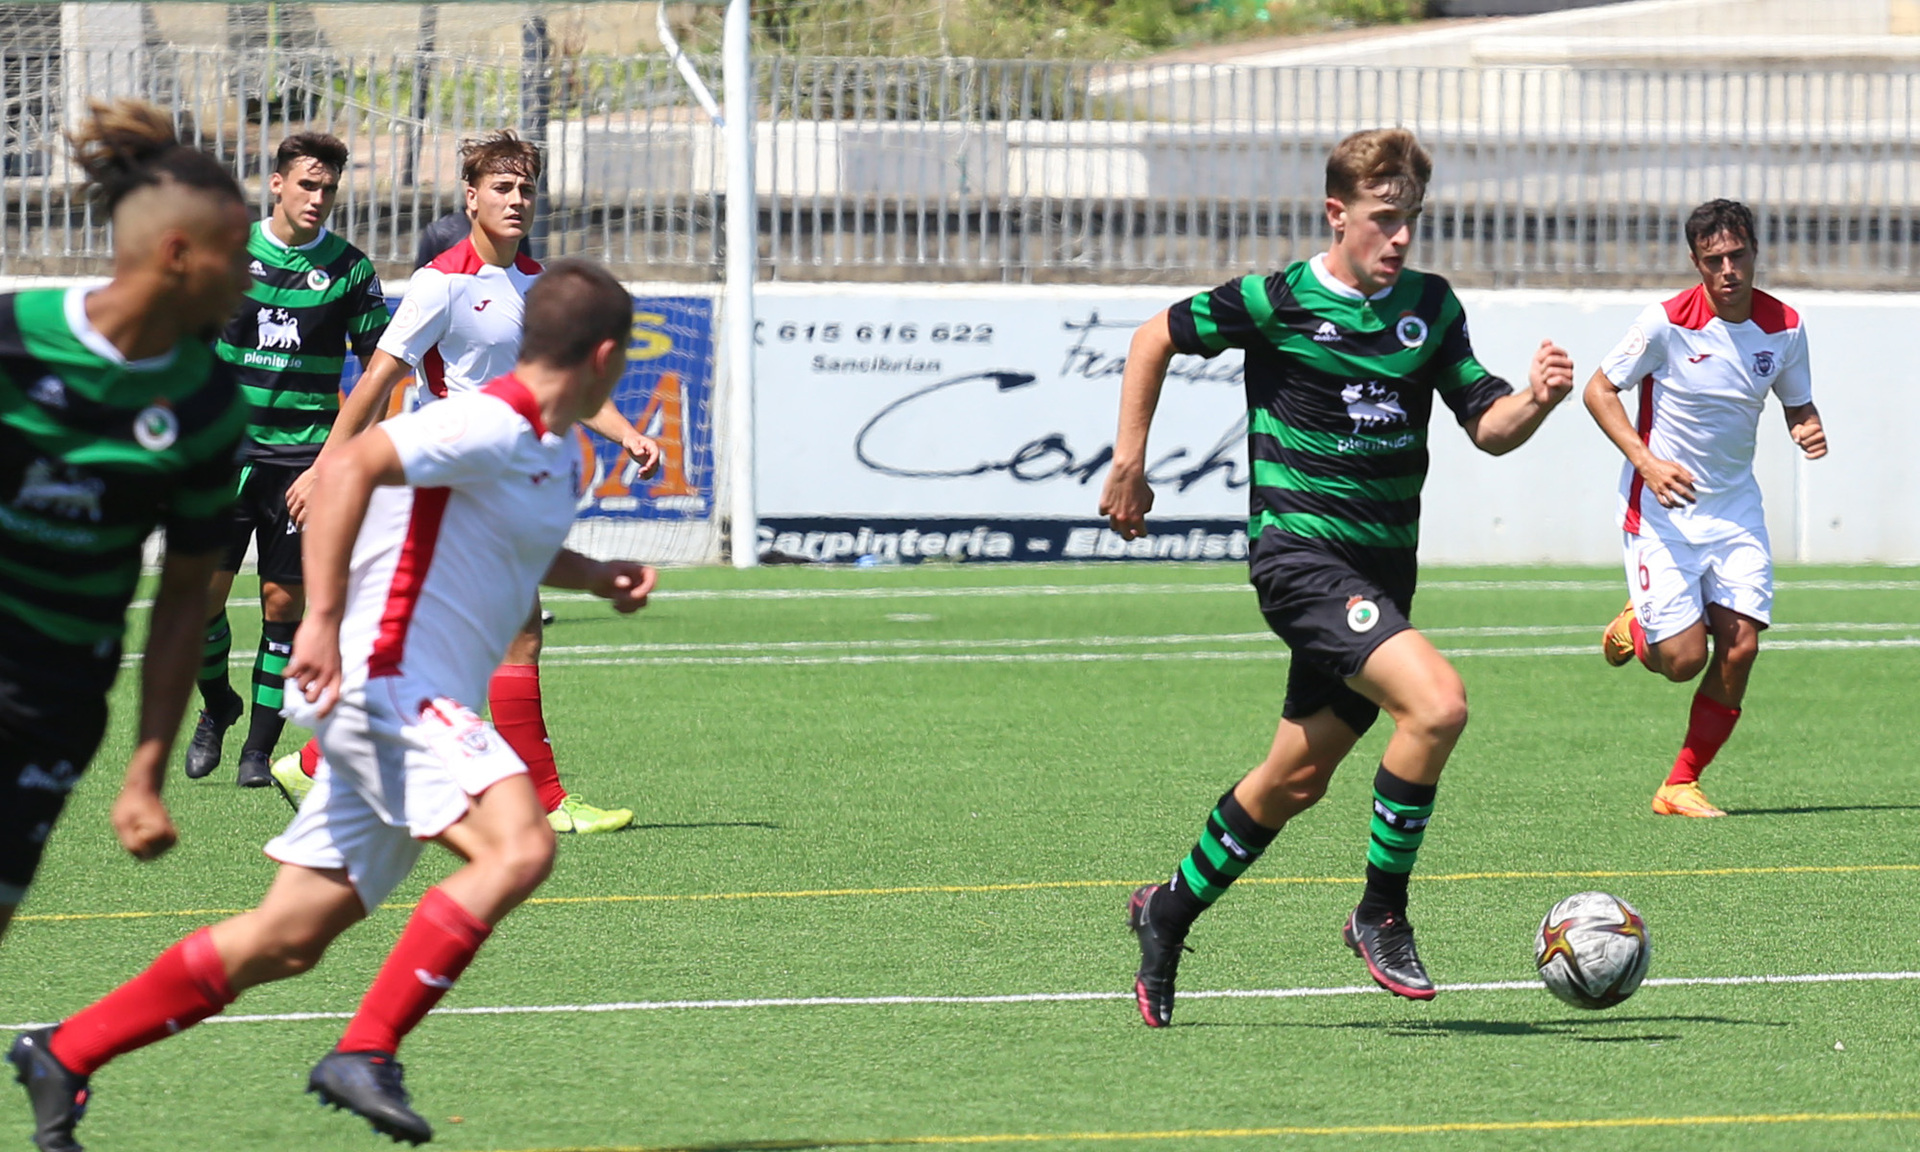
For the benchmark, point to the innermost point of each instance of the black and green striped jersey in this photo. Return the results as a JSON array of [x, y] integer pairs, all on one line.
[[288, 343], [1339, 391], [95, 452]]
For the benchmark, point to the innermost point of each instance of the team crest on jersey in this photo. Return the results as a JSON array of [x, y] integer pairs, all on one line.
[[1411, 330], [277, 328], [1763, 362], [318, 280], [61, 490], [1362, 614], [156, 428], [1371, 406]]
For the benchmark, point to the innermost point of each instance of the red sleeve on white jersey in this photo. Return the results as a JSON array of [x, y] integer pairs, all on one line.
[[1640, 352], [422, 318], [465, 439]]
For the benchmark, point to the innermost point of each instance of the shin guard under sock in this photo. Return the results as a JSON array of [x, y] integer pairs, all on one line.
[[435, 948], [1228, 846], [187, 984], [269, 685], [1400, 814]]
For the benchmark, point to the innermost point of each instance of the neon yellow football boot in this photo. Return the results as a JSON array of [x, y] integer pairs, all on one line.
[[293, 783], [578, 816]]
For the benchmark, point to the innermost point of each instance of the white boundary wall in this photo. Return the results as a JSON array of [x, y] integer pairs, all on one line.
[[1553, 501]]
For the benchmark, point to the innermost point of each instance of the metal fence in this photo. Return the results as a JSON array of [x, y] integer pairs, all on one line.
[[948, 170]]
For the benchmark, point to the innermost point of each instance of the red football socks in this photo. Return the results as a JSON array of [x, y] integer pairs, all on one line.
[[1708, 726], [439, 942], [187, 984], [310, 757], [514, 697]]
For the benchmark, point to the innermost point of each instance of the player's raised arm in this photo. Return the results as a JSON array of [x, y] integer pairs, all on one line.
[[1126, 498], [1512, 420]]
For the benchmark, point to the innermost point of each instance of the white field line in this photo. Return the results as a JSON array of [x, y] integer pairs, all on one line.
[[1230, 656], [1034, 998], [1002, 590], [776, 651]]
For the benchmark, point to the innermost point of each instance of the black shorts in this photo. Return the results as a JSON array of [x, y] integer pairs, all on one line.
[[48, 733], [1332, 616], [261, 511]]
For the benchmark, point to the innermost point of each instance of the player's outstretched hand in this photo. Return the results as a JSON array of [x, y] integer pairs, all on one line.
[[1811, 436], [1551, 374], [1670, 483], [625, 583], [645, 451], [315, 667], [298, 494], [141, 821], [1125, 501]]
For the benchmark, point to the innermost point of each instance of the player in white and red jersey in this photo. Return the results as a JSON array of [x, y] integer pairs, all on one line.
[[1697, 558], [460, 326], [425, 541]]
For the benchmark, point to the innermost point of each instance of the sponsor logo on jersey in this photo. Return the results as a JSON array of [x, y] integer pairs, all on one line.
[[1698, 358], [277, 328], [50, 391], [1371, 406], [1411, 330], [156, 428], [62, 490], [256, 269], [1327, 333], [1362, 614], [59, 778], [1763, 362], [482, 306], [318, 280]]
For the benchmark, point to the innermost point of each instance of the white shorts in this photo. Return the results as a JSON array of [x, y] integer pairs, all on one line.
[[1671, 582], [399, 769]]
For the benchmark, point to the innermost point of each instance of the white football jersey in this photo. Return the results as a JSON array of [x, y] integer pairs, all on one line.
[[444, 571], [459, 324], [1703, 384]]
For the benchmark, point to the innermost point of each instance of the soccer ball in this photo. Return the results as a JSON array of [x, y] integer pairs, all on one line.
[[1592, 950]]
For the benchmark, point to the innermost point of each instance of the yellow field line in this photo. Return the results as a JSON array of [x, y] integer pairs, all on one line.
[[1044, 885], [1288, 1130]]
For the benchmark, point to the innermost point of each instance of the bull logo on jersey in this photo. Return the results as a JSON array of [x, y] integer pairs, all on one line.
[[1371, 406], [278, 328], [1763, 362], [60, 490]]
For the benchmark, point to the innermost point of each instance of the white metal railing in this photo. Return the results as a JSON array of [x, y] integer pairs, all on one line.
[[930, 169]]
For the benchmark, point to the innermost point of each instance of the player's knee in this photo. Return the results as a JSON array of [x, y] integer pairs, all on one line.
[[1742, 649], [1441, 716], [1684, 665], [291, 953], [527, 860]]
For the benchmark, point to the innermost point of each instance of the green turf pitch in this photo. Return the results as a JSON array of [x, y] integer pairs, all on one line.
[[1015, 747]]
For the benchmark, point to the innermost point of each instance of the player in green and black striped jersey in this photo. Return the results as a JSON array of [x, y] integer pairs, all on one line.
[[115, 419], [314, 297], [1345, 354]]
